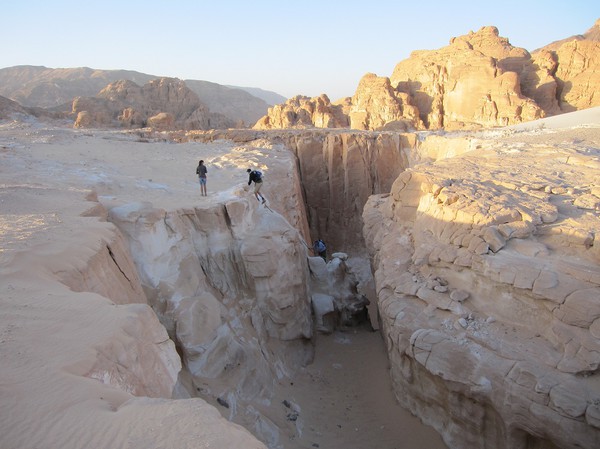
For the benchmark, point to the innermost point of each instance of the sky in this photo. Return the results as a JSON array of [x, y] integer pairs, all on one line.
[[307, 47]]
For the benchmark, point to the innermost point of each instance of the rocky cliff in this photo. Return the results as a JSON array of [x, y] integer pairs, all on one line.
[[488, 282], [479, 80]]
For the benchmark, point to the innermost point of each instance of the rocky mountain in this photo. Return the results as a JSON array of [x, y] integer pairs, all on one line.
[[479, 80], [271, 98], [165, 103], [47, 88], [54, 88]]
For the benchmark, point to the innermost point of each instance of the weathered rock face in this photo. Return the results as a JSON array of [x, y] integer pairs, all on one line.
[[377, 105], [467, 84], [165, 103], [304, 112], [480, 80], [339, 172], [335, 298], [578, 74], [488, 280]]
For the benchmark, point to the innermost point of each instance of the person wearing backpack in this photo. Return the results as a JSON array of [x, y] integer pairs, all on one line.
[[256, 176], [320, 249], [201, 171]]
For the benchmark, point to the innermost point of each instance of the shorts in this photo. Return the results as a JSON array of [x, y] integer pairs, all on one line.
[[257, 186], [202, 181]]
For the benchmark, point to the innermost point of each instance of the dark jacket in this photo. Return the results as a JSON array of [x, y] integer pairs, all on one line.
[[255, 176], [201, 171]]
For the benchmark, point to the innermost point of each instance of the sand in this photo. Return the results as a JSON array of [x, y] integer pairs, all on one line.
[[347, 401]]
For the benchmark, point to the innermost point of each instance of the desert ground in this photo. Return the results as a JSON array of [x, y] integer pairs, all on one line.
[[46, 173]]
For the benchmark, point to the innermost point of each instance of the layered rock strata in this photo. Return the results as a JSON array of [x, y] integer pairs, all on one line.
[[487, 272]]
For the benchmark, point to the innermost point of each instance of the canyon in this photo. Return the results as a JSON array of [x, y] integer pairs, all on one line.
[[461, 286], [139, 309]]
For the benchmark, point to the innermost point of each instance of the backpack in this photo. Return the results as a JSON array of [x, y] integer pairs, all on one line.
[[320, 246], [258, 175]]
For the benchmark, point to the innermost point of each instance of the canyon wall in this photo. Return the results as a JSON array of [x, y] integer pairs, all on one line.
[[84, 357], [487, 274], [339, 170]]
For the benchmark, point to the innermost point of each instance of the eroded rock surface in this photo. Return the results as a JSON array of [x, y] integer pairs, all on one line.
[[487, 273]]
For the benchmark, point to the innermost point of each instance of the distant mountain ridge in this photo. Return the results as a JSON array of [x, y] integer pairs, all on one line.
[[39, 86]]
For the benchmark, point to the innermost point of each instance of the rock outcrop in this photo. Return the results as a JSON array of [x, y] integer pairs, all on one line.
[[377, 105], [165, 103], [487, 272], [478, 81], [303, 112], [468, 84], [335, 299]]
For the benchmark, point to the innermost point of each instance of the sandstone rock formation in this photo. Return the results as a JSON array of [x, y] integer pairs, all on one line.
[[335, 299], [479, 80], [304, 112], [377, 105], [49, 88], [239, 316], [467, 84], [488, 281], [165, 103]]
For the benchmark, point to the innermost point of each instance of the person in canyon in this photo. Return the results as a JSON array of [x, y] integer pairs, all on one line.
[[320, 249], [201, 171], [256, 176]]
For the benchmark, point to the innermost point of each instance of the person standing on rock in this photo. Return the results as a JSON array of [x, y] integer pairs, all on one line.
[[256, 176], [201, 171]]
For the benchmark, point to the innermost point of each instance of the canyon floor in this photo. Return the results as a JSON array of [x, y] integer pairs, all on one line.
[[347, 399]]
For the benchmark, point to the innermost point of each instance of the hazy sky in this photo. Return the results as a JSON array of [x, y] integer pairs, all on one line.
[[305, 47]]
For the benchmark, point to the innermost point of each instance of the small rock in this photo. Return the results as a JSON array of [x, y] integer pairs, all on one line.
[[223, 402], [464, 323], [459, 295]]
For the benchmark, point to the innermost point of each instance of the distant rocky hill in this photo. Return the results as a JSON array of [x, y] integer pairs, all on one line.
[[48, 88], [44, 87], [242, 107], [479, 80], [163, 103]]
